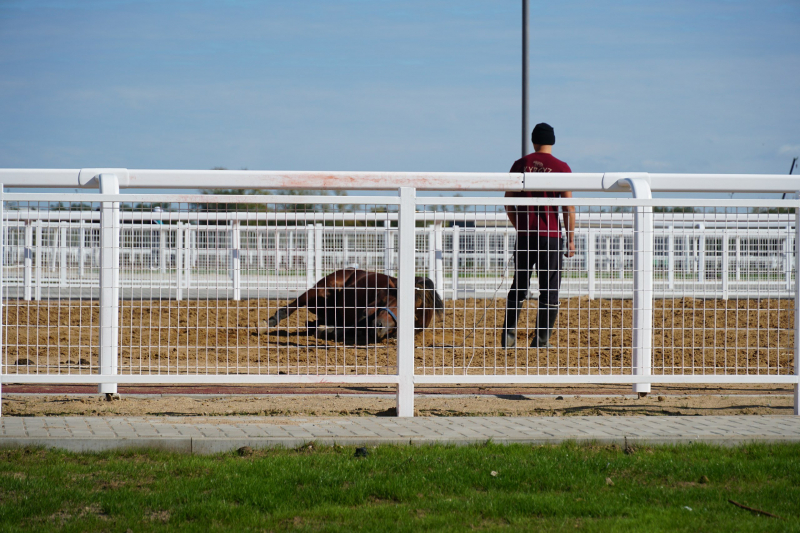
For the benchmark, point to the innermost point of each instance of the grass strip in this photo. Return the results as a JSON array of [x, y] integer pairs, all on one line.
[[488, 487]]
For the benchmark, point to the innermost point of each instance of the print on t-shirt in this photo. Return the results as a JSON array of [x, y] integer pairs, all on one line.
[[538, 166]]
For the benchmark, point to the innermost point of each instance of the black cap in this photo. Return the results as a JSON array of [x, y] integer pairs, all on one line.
[[543, 133]]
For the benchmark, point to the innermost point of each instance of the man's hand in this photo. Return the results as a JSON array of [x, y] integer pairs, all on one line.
[[571, 246]]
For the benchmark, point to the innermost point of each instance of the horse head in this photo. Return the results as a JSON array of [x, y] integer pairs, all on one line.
[[376, 324], [384, 322]]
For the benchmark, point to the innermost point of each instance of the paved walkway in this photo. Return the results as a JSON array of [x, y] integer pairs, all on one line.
[[218, 434]]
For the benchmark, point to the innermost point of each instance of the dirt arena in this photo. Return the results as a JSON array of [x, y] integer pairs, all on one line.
[[691, 336], [566, 400]]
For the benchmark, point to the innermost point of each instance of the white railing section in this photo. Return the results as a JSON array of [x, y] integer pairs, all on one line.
[[105, 269]]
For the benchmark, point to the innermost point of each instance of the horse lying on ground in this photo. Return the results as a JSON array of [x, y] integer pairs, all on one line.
[[359, 306]]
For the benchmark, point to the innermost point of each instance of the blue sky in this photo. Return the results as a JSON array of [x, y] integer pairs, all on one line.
[[695, 86]]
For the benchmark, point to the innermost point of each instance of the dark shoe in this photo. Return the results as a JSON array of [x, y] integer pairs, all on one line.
[[508, 337], [545, 320]]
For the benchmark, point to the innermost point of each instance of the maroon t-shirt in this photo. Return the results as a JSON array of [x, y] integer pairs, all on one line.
[[544, 218]]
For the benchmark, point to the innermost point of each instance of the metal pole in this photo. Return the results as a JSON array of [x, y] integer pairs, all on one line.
[[525, 130]]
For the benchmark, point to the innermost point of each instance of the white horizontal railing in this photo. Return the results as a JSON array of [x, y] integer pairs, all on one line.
[[650, 253], [440, 181]]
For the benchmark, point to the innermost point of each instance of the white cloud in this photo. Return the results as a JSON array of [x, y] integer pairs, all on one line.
[[792, 149]]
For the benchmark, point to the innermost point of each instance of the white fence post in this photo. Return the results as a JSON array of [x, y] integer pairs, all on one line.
[[405, 302], [235, 261], [725, 267], [787, 260], [2, 262], [670, 258], [438, 246], [431, 262], [162, 248], [27, 274], [797, 306], [109, 283], [642, 280], [190, 247], [388, 249], [590, 260], [701, 253], [738, 257], [179, 262], [317, 252], [63, 253], [310, 268], [487, 257], [39, 244], [81, 244], [456, 239], [506, 251]]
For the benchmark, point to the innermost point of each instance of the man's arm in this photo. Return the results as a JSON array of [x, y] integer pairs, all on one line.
[[569, 216], [512, 210]]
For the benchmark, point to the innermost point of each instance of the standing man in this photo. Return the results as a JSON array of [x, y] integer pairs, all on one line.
[[539, 242]]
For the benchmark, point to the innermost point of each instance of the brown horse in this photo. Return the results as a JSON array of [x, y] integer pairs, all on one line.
[[360, 306]]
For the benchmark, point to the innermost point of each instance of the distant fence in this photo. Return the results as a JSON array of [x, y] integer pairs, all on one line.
[[720, 252], [659, 291]]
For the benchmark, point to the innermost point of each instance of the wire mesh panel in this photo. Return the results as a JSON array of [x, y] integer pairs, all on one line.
[[199, 283], [50, 288], [206, 287], [714, 296], [726, 276]]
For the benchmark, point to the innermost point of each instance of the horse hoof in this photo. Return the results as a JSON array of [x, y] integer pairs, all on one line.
[[273, 321]]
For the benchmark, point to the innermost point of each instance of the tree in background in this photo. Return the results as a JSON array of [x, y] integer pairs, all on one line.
[[146, 206]]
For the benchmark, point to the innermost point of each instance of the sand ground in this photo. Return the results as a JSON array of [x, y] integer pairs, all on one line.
[[690, 336], [345, 400]]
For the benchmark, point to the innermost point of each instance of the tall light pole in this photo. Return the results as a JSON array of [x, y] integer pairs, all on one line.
[[525, 129]]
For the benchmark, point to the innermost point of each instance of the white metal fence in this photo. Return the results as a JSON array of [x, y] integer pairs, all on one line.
[[709, 250], [677, 290]]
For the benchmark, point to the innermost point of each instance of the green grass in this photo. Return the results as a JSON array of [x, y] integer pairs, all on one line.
[[548, 488]]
